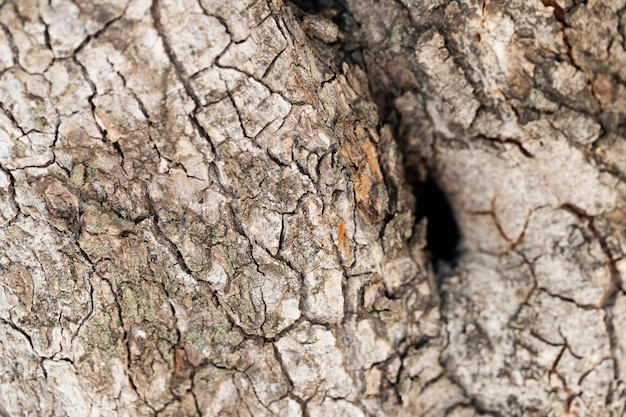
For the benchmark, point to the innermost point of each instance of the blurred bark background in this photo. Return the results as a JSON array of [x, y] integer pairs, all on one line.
[[317, 208]]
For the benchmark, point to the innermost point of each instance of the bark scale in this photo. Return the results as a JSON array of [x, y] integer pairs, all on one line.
[[216, 208]]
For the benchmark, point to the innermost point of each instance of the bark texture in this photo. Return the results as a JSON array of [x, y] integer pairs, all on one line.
[[215, 208]]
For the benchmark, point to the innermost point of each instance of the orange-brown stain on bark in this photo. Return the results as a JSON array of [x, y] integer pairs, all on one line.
[[603, 88], [342, 237], [180, 363], [362, 184], [361, 152], [618, 219], [372, 160]]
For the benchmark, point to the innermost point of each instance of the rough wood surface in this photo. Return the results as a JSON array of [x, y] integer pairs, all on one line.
[[518, 109], [212, 208]]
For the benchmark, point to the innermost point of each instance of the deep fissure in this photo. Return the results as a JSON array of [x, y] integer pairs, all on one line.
[[442, 232], [433, 204]]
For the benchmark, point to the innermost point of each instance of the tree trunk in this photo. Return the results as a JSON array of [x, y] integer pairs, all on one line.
[[361, 208]]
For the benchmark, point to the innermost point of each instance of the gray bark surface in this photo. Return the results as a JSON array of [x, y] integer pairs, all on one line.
[[213, 208]]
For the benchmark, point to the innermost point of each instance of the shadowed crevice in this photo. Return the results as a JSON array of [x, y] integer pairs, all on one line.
[[315, 6], [442, 233]]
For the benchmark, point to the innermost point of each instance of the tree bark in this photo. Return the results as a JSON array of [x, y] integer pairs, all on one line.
[[217, 208]]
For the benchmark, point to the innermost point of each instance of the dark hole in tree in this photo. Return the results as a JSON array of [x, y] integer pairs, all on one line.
[[442, 234], [316, 6], [335, 10]]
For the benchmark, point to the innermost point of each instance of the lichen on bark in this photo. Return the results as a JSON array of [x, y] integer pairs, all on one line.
[[213, 208]]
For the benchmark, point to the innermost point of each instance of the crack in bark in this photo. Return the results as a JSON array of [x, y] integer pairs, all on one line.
[[250, 253]]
